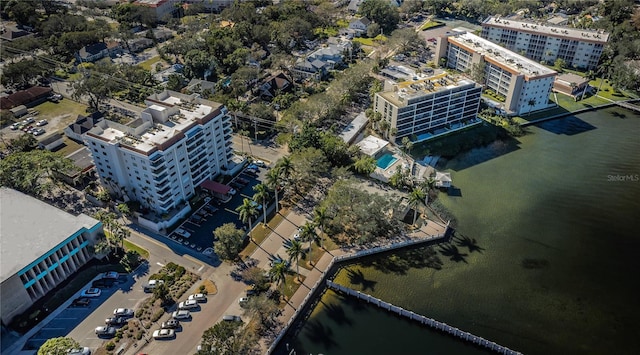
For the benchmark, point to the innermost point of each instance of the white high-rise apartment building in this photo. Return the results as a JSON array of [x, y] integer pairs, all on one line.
[[160, 158], [419, 108], [541, 42], [525, 84]]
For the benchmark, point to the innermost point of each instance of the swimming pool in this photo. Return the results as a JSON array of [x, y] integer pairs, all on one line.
[[385, 161]]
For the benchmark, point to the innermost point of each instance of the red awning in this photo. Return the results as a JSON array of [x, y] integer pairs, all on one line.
[[215, 187]]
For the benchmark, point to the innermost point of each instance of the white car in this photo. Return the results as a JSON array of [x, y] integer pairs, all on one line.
[[243, 300], [91, 292], [123, 312], [182, 314], [80, 351], [183, 233], [198, 297], [41, 123], [163, 334], [188, 304], [151, 285]]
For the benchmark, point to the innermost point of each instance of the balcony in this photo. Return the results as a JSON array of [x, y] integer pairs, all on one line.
[[157, 162], [161, 178]]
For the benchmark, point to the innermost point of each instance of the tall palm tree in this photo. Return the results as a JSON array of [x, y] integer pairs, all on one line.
[[262, 195], [295, 251], [308, 233], [407, 145], [273, 182], [285, 165], [103, 247], [278, 272], [320, 217], [247, 211], [416, 197]]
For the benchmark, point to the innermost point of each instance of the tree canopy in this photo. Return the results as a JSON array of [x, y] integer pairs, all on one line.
[[58, 346], [227, 338], [33, 172], [382, 13], [229, 241]]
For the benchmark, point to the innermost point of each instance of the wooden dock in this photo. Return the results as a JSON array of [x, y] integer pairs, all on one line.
[[466, 336], [628, 105]]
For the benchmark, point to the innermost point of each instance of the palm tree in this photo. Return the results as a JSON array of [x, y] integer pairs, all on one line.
[[531, 103], [103, 247], [416, 197], [273, 182], [278, 272], [407, 145], [295, 251], [262, 195], [123, 208], [308, 233], [247, 211], [285, 165], [320, 217]]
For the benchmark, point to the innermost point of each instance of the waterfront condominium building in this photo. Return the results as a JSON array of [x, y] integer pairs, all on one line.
[[420, 108], [40, 247], [524, 84], [160, 158], [541, 42]]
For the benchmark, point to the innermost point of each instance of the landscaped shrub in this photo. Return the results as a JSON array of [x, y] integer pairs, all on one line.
[[139, 335], [140, 312], [110, 346], [157, 315]]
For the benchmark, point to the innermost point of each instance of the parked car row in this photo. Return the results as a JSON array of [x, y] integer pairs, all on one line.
[[26, 125], [120, 317]]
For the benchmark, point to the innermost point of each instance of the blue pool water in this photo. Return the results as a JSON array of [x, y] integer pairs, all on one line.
[[386, 160]]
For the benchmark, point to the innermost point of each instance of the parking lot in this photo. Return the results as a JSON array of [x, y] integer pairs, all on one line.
[[71, 316], [202, 233]]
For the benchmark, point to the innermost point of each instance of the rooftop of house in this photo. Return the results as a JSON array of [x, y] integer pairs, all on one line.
[[403, 91], [168, 114], [371, 145], [24, 241], [506, 58], [547, 29]]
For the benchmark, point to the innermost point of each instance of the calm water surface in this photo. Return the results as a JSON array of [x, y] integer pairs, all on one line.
[[551, 259]]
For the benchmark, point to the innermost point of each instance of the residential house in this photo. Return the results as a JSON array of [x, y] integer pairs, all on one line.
[[139, 44], [273, 85], [97, 51], [51, 142], [360, 25], [82, 125], [30, 97], [570, 84]]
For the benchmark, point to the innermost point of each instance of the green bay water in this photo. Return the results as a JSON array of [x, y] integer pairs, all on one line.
[[552, 220]]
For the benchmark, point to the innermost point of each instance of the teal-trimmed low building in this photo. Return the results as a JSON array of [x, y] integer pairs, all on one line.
[[40, 246]]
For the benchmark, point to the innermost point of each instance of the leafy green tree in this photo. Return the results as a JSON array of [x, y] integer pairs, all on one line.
[[405, 40], [130, 260], [96, 88], [263, 309], [357, 216], [262, 195], [196, 63], [381, 12], [365, 165], [24, 143], [309, 165], [247, 211], [58, 346], [559, 65], [161, 292], [175, 82], [229, 241], [295, 251], [123, 208], [255, 276], [33, 172], [227, 338]]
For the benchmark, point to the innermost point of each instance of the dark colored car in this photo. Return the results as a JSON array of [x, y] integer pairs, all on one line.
[[81, 302], [115, 321]]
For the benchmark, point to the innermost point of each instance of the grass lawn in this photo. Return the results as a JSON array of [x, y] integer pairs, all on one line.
[[210, 287], [130, 246], [68, 146], [150, 63], [290, 285], [431, 24], [49, 109], [370, 41], [607, 91], [342, 23], [329, 31], [566, 104]]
